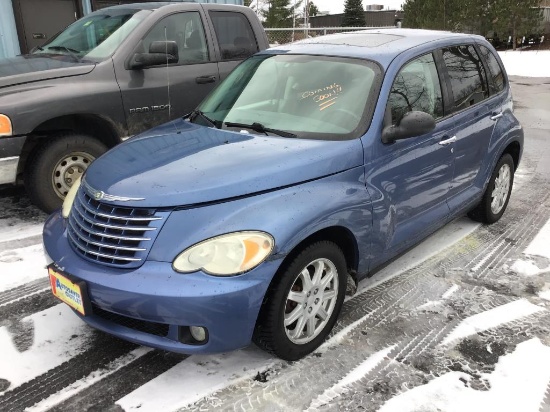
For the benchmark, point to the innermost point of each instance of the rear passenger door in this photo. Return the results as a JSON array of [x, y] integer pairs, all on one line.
[[469, 91], [235, 39]]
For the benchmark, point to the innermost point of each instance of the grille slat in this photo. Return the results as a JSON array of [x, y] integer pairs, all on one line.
[[124, 243]]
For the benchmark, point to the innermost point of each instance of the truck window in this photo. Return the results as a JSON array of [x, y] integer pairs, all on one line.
[[187, 30], [235, 35]]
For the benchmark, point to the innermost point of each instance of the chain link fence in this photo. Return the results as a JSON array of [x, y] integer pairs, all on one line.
[[282, 36]]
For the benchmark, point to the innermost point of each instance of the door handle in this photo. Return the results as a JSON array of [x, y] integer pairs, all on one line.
[[206, 79], [448, 141], [496, 116]]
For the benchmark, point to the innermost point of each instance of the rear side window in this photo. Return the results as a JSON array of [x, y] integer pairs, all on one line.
[[467, 75], [416, 87], [497, 85], [235, 36]]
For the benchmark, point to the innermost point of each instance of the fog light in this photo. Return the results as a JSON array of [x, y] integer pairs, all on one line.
[[198, 333]]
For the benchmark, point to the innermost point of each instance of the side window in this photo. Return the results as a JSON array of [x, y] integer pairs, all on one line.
[[416, 87], [187, 31], [235, 36], [467, 75], [496, 71]]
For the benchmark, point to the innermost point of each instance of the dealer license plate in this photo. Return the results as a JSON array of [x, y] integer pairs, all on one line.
[[67, 291]]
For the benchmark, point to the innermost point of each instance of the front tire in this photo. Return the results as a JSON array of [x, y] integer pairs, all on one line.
[[497, 195], [55, 164], [301, 308]]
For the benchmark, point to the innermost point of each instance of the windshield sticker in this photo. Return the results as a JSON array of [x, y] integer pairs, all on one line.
[[325, 96]]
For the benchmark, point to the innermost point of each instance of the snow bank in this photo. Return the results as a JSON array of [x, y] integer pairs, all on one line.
[[526, 63]]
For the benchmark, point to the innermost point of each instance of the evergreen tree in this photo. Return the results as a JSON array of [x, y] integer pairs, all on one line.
[[517, 18], [313, 9], [247, 3], [278, 13], [354, 14]]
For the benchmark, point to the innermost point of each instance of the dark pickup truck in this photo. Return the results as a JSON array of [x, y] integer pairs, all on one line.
[[108, 76]]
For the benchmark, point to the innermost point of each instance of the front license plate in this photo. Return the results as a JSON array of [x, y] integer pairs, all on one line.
[[67, 291]]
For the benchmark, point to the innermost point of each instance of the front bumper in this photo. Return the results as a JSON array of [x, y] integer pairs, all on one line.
[[154, 293], [10, 149]]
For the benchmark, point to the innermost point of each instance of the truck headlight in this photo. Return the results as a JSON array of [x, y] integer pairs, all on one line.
[[69, 199], [226, 255], [5, 126]]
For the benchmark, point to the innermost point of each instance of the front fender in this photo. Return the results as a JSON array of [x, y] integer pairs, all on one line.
[[290, 215]]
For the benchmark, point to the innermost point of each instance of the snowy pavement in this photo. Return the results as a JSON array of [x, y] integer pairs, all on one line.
[[461, 322]]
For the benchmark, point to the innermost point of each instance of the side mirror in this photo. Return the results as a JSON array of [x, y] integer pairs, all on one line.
[[412, 124], [160, 52]]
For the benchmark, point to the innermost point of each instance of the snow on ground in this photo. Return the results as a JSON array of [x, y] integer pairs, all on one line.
[[526, 63], [540, 245], [20, 266], [194, 378], [55, 336], [515, 386], [492, 318]]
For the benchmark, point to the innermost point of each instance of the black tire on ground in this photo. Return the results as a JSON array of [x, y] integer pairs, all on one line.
[[271, 333], [55, 163], [484, 212]]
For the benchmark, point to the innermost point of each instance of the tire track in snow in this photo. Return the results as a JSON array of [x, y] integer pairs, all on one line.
[[26, 290]]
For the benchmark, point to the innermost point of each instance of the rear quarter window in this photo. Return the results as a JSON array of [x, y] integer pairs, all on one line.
[[498, 81]]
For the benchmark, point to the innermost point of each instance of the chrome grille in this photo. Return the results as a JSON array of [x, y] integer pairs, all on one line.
[[112, 235]]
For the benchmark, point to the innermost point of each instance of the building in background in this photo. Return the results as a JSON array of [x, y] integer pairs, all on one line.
[[25, 24], [378, 18]]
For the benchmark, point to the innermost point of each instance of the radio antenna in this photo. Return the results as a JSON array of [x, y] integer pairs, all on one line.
[[168, 77]]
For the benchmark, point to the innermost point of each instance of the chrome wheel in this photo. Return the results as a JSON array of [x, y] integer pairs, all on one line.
[[501, 189], [311, 301], [68, 170]]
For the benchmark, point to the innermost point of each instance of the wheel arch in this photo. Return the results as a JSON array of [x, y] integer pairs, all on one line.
[[97, 126], [513, 149]]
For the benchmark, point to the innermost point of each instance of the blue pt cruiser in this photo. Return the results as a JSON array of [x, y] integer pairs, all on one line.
[[308, 168]]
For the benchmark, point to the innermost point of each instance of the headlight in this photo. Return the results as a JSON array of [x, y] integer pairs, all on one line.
[[5, 125], [69, 199], [226, 255]]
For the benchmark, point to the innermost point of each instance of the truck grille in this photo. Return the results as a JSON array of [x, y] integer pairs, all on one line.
[[112, 235]]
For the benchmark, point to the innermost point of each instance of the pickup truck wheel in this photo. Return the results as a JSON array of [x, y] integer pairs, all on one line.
[[496, 196], [302, 307], [55, 164]]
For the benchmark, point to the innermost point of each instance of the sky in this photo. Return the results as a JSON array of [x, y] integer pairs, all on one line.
[[337, 6]]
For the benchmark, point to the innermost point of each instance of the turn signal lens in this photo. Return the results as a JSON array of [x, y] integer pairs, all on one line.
[[69, 199], [5, 125], [226, 255]]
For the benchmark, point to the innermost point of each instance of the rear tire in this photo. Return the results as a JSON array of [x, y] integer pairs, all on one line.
[[297, 314], [55, 164], [497, 194]]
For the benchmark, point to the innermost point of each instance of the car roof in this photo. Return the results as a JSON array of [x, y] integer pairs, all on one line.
[[381, 45], [153, 5]]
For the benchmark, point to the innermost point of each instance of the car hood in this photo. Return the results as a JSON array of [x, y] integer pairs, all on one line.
[[181, 164], [35, 67]]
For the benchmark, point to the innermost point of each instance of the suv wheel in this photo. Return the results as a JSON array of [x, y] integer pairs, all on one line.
[[55, 164], [303, 306]]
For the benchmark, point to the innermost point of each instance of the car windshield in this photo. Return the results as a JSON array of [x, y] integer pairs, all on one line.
[[96, 36], [314, 97]]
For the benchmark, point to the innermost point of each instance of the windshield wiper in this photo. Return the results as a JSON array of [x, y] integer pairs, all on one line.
[[72, 52], [258, 127], [196, 113]]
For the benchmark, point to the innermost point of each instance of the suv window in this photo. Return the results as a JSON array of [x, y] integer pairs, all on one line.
[[235, 36], [416, 87], [467, 75], [187, 31], [497, 85]]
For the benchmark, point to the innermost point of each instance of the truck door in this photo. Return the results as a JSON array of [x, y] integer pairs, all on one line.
[[154, 95]]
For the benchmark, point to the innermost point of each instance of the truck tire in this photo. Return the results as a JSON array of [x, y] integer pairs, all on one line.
[[55, 164]]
